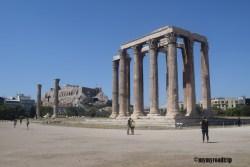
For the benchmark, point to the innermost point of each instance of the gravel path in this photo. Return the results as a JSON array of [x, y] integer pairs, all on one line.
[[57, 146]]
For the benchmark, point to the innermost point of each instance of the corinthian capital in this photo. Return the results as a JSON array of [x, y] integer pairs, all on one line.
[[204, 46], [137, 49], [152, 44], [171, 38], [122, 53], [115, 65]]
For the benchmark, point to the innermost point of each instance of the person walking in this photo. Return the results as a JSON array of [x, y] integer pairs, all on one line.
[[21, 120], [27, 123], [129, 125], [15, 122], [204, 129]]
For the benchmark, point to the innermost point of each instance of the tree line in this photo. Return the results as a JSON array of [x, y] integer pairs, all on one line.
[[14, 112], [238, 111], [8, 112]]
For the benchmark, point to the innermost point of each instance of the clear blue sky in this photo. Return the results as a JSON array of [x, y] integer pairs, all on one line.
[[75, 40]]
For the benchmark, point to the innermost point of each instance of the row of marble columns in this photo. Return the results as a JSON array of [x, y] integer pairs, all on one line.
[[56, 100], [121, 83]]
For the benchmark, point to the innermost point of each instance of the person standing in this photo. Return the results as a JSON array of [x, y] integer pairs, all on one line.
[[204, 129], [239, 122]]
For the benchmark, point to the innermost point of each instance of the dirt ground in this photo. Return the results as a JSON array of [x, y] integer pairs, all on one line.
[[58, 146]]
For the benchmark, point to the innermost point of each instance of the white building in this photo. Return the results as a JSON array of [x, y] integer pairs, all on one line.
[[227, 103], [20, 100]]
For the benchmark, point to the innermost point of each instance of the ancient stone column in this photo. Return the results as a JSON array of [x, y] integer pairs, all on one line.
[[205, 79], [141, 83], [166, 56], [138, 82], [123, 109], [172, 101], [115, 105], [38, 101], [190, 79], [128, 60], [184, 73], [153, 78], [56, 90]]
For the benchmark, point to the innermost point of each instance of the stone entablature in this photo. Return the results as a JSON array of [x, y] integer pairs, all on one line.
[[160, 35]]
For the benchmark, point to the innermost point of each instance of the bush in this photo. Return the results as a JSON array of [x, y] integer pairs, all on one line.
[[218, 111], [238, 111], [74, 111], [245, 111], [88, 111], [10, 112]]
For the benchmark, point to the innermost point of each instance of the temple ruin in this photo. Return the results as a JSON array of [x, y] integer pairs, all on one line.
[[166, 40]]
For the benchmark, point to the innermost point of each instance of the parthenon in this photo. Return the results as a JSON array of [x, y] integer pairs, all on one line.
[[165, 40]]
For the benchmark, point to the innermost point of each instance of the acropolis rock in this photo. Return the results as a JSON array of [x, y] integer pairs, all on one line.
[[75, 96]]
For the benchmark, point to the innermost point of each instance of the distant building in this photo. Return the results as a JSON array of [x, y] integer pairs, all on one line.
[[1, 100], [74, 96], [20, 100], [227, 103], [247, 100]]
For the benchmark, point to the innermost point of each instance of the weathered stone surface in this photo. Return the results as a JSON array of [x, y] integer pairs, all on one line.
[[123, 108], [138, 83], [189, 78], [205, 79], [115, 92], [154, 99], [55, 105], [172, 101], [38, 101], [74, 95]]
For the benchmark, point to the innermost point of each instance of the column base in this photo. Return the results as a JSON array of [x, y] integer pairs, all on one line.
[[121, 117], [113, 115], [173, 116], [182, 121], [156, 115], [137, 115], [171, 122]]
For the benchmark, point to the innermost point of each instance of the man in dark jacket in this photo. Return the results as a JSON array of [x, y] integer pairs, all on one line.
[[239, 122], [204, 129], [129, 125]]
